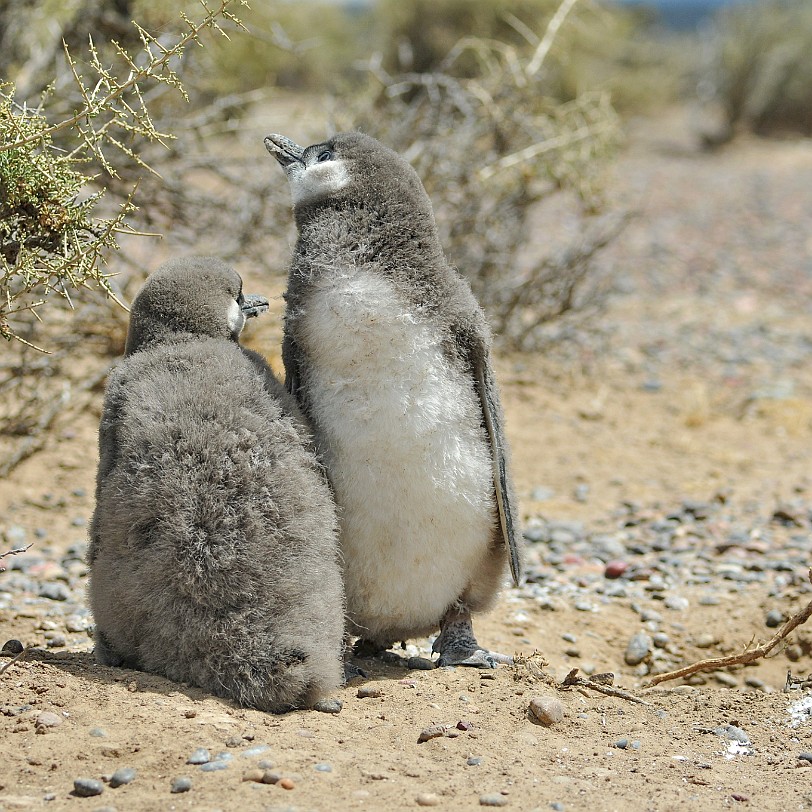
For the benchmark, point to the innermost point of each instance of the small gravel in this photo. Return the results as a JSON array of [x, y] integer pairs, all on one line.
[[547, 709], [180, 784], [427, 799], [328, 706], [47, 721], [199, 756], [370, 691], [123, 775], [493, 799], [774, 618], [87, 787], [637, 649]]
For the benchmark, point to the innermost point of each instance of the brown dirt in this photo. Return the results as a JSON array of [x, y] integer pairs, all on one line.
[[683, 401]]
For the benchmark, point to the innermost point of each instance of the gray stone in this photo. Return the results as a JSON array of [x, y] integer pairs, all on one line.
[[638, 649], [200, 756], [774, 618], [328, 706], [53, 591], [123, 775], [87, 787], [493, 799], [180, 784]]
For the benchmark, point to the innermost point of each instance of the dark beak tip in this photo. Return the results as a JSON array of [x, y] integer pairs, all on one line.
[[283, 149], [254, 306]]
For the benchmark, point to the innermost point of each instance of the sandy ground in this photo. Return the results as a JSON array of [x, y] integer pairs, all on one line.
[[700, 390]]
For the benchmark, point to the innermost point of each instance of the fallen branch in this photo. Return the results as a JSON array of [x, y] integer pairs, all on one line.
[[16, 658], [572, 680], [15, 552], [745, 657]]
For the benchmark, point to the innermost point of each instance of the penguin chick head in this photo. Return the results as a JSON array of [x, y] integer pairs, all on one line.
[[197, 296], [350, 167]]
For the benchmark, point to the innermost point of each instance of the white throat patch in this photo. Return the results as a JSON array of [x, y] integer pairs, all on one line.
[[236, 319], [319, 180]]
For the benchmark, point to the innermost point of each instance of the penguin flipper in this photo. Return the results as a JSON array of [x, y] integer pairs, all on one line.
[[290, 358], [492, 419]]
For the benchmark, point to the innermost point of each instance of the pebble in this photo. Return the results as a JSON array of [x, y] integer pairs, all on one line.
[[87, 787], [774, 618], [180, 784], [660, 640], [676, 603], [323, 768], [257, 750], [328, 706], [432, 732], [286, 783], [614, 569], [473, 761], [199, 756], [253, 775], [214, 766], [547, 709], [55, 640], [621, 744], [370, 691], [725, 678], [123, 775], [12, 647], [735, 734], [493, 799], [427, 799], [705, 640], [98, 733], [47, 720], [805, 756], [53, 591], [420, 664], [638, 648]]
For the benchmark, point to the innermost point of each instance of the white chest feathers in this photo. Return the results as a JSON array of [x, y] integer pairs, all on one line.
[[405, 449]]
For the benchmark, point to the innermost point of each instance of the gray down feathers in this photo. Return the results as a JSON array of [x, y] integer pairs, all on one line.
[[213, 553]]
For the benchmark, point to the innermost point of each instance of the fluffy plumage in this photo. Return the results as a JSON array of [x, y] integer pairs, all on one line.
[[213, 554], [387, 351]]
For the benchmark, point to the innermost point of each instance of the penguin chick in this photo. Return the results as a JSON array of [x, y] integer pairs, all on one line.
[[214, 541], [388, 353]]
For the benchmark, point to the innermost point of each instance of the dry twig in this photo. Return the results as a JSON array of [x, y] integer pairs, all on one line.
[[5, 667], [745, 657], [572, 680]]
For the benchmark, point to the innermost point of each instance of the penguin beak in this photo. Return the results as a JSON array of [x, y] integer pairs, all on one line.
[[253, 305], [286, 152]]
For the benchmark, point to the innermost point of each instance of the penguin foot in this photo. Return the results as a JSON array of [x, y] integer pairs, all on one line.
[[367, 648], [352, 671], [457, 644]]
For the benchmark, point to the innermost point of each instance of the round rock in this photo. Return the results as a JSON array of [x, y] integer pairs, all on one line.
[[123, 775], [180, 784], [493, 799], [547, 709], [87, 787], [638, 649], [200, 756], [47, 720], [427, 799], [328, 706]]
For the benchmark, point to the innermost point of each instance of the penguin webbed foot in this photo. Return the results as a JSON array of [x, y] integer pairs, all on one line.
[[353, 671], [457, 644]]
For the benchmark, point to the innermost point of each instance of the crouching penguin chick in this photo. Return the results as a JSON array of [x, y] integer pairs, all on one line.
[[213, 551]]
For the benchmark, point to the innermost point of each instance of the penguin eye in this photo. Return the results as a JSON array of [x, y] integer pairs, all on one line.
[[326, 155]]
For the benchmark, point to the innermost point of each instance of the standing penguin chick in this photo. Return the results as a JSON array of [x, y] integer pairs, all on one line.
[[213, 552], [387, 352]]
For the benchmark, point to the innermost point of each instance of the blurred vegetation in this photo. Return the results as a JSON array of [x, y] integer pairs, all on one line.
[[759, 68], [507, 108]]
